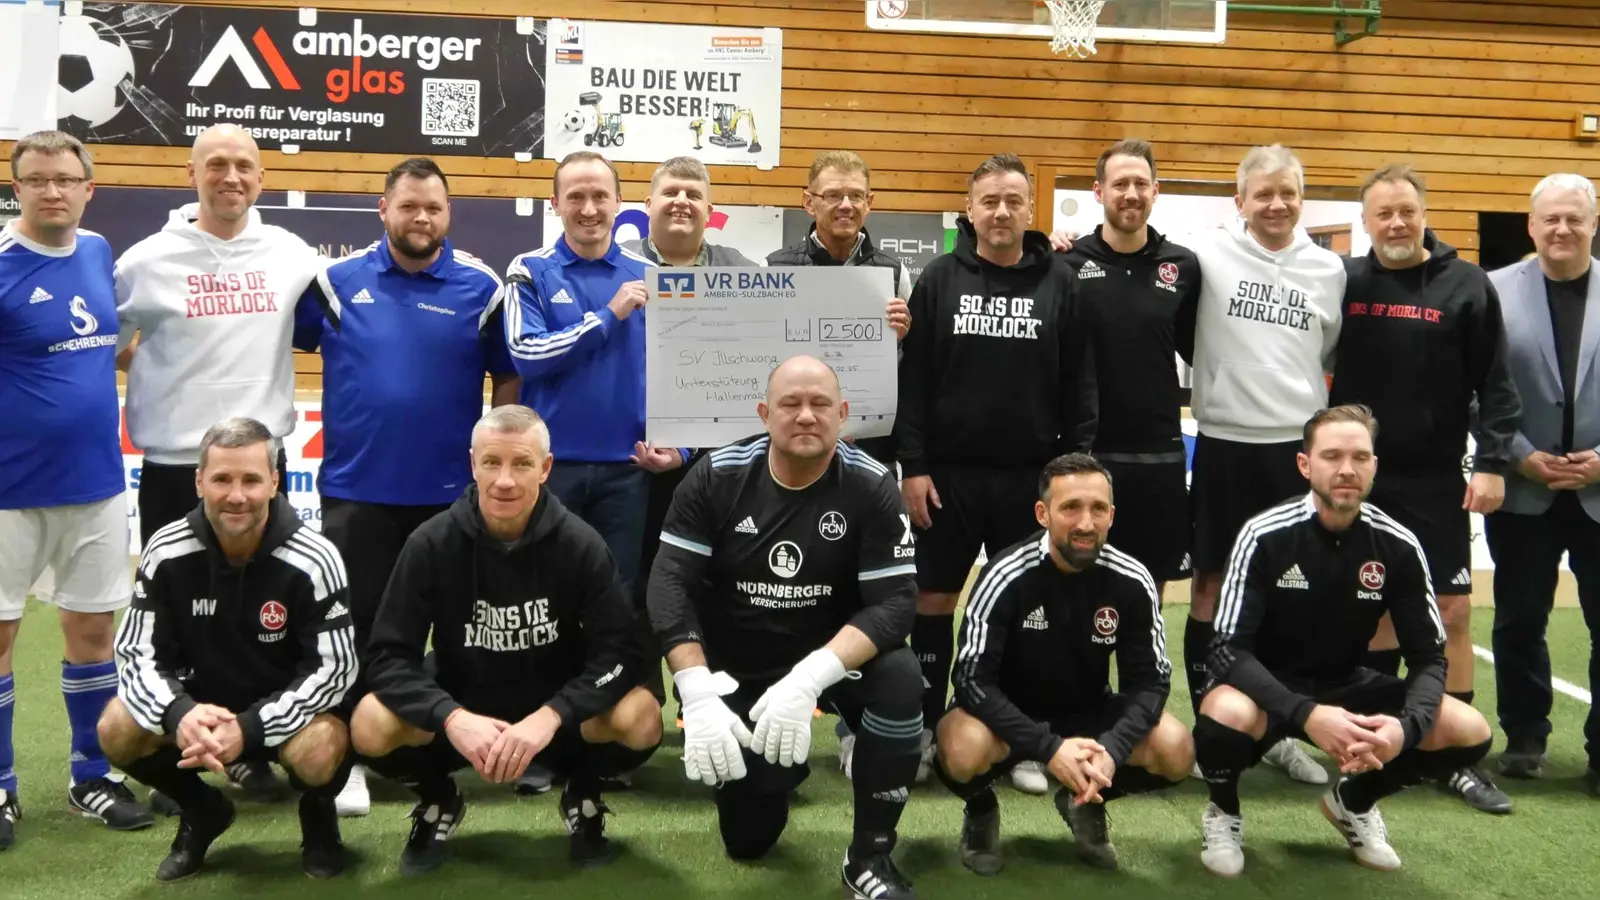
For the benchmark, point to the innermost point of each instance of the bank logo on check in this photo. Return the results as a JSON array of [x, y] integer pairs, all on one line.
[[678, 286]]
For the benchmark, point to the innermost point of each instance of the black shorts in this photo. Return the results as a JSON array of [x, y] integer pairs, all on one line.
[[1152, 516], [1232, 482], [988, 508], [893, 673], [1087, 722], [1365, 691], [167, 494], [1430, 507], [369, 537]]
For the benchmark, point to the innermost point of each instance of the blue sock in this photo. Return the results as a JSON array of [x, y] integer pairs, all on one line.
[[87, 689], [8, 699]]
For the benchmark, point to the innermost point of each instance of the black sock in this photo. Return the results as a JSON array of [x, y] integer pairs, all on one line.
[[888, 748], [602, 761], [1441, 763], [1385, 661], [1360, 793], [978, 793], [1223, 755], [1197, 637], [933, 640], [412, 767], [160, 770], [1133, 780], [1463, 696], [332, 788]]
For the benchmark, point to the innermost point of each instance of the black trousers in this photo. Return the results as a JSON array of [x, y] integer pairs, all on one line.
[[662, 487], [369, 537], [167, 494], [1527, 553]]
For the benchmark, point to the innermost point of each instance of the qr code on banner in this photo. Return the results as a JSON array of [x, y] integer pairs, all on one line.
[[450, 107]]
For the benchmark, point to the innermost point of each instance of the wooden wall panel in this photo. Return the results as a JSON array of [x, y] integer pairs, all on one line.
[[1480, 95]]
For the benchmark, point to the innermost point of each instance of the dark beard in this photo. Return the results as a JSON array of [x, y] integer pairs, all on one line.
[[1076, 558], [403, 246], [1327, 500]]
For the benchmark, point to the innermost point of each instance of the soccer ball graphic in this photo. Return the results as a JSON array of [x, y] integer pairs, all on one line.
[[575, 120], [94, 63]]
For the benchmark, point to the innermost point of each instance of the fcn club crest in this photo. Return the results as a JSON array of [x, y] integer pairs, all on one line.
[[274, 615]]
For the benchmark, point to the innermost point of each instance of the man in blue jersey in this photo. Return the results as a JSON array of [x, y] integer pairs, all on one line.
[[62, 505], [580, 351], [407, 328]]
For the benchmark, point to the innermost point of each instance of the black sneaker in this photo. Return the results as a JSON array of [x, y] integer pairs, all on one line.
[[161, 804], [585, 814], [10, 814], [321, 850], [1522, 759], [1475, 787], [1591, 780], [1090, 830], [875, 877], [109, 800], [432, 823], [980, 842], [198, 827], [258, 782]]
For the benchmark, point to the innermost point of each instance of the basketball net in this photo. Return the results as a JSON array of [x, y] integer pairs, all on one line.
[[1074, 22]]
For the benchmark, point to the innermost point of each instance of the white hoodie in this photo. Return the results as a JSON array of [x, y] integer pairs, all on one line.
[[1265, 333], [215, 319]]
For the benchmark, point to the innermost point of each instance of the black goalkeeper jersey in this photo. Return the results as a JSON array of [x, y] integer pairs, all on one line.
[[760, 574]]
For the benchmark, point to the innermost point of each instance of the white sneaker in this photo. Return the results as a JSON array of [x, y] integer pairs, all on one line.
[[1288, 756], [925, 764], [354, 799], [847, 753], [1364, 832], [1221, 842], [1029, 778]]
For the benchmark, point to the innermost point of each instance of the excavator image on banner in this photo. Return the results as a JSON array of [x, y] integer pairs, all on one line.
[[601, 129], [725, 126]]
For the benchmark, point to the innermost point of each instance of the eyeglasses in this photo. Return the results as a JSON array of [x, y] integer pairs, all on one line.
[[834, 198], [63, 183]]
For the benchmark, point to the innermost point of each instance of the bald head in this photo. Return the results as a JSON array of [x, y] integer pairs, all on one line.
[[805, 411], [801, 370], [225, 169], [223, 135]]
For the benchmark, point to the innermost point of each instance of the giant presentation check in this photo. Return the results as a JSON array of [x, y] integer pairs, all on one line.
[[714, 335]]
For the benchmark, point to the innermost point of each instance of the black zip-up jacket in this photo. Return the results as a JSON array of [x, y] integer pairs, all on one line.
[[1419, 346], [541, 622], [1299, 604], [1037, 643], [808, 251], [998, 369], [1132, 301], [270, 640]]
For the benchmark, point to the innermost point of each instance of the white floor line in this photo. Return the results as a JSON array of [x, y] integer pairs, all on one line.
[[1562, 685]]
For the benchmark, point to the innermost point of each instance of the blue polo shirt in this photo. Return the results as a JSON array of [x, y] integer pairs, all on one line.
[[60, 428], [582, 370], [403, 360]]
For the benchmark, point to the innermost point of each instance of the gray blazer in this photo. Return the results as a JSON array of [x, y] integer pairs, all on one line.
[[1531, 357]]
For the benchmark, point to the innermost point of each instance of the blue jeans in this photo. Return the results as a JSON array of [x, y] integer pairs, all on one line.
[[612, 498]]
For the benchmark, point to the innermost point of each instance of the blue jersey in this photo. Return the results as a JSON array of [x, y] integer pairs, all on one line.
[[582, 370], [403, 360], [60, 429]]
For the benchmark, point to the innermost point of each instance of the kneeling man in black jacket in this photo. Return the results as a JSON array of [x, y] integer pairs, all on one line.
[[238, 647], [535, 656]]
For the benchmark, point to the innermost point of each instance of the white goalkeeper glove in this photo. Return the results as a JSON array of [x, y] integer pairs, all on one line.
[[783, 714], [713, 736]]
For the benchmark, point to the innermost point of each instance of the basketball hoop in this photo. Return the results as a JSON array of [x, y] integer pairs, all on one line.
[[1074, 22]]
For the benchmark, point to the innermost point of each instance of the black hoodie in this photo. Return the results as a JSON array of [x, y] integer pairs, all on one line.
[[540, 621], [1133, 299], [997, 369], [270, 640], [1421, 346]]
